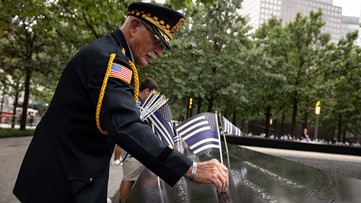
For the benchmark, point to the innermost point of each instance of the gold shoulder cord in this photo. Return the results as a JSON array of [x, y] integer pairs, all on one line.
[[104, 86], [136, 81]]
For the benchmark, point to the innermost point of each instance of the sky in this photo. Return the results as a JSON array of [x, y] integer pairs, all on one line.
[[349, 7]]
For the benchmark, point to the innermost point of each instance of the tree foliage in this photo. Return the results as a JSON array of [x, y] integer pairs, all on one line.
[[213, 39], [281, 69], [342, 85], [28, 34], [292, 52]]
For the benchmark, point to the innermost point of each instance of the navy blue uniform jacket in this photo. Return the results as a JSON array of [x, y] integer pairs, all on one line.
[[68, 158]]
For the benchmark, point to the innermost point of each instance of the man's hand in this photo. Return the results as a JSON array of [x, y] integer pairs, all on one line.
[[211, 172]]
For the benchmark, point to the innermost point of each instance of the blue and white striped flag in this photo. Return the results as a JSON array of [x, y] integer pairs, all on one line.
[[161, 123], [228, 127], [159, 118], [200, 133]]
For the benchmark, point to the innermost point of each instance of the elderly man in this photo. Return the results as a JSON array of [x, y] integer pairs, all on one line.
[[94, 107]]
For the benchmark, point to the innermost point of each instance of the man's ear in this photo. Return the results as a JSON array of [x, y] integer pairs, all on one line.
[[134, 26]]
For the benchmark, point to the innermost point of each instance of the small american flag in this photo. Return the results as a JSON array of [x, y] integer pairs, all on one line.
[[121, 72]]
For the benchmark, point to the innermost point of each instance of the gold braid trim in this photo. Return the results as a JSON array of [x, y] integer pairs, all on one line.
[[104, 86], [101, 94], [136, 81]]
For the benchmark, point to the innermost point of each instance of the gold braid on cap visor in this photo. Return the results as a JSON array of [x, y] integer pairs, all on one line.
[[104, 86], [165, 29]]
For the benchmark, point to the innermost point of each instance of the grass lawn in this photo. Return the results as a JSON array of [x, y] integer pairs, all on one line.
[[9, 132]]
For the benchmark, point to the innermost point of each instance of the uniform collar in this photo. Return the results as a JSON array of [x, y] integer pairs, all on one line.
[[123, 44]]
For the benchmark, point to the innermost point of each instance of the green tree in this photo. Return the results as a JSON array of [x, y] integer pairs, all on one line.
[[42, 35], [29, 32], [206, 52], [342, 86], [83, 21], [269, 64], [292, 52], [305, 39], [12, 82]]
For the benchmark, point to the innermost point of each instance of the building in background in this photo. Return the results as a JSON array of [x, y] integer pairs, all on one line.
[[350, 24], [260, 11], [7, 108]]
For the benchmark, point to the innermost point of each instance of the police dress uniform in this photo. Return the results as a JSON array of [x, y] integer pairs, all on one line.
[[68, 158]]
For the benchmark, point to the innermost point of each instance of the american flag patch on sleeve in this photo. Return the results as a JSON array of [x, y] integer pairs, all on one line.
[[121, 72]]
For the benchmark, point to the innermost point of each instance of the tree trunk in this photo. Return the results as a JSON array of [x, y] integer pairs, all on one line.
[[199, 105], [234, 118], [344, 136], [339, 127], [305, 120], [181, 115], [16, 102], [26, 99], [210, 104], [1, 105], [294, 114], [243, 128], [268, 115], [282, 122]]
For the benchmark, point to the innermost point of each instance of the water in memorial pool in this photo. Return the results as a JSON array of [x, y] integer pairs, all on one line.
[[254, 178]]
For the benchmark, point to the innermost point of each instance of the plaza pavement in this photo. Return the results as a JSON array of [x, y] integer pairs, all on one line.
[[12, 151]]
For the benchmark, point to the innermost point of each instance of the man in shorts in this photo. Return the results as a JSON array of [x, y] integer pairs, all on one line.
[[131, 166]]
